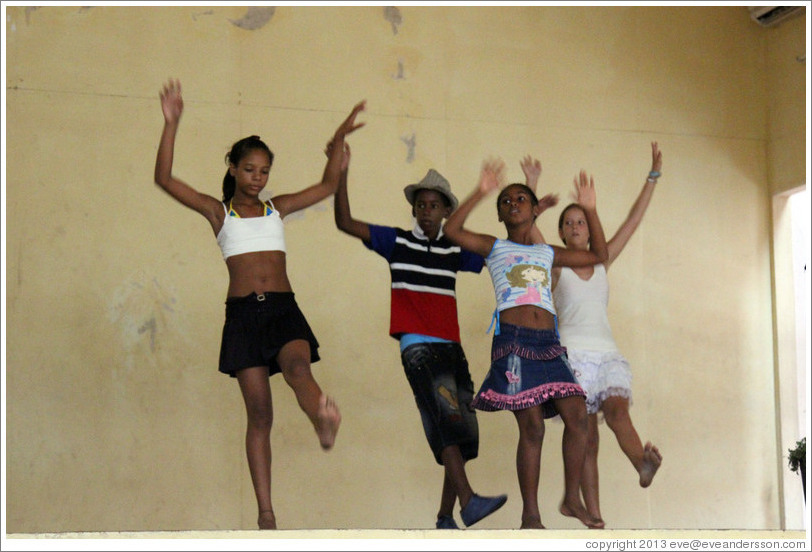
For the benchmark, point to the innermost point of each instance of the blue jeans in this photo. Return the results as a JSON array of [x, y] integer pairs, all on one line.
[[443, 390]]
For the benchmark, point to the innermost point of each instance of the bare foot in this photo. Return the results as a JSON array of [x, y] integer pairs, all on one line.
[[329, 419], [266, 520], [651, 463], [532, 523], [580, 512], [597, 517]]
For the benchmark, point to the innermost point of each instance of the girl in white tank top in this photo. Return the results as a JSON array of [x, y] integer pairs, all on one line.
[[582, 297]]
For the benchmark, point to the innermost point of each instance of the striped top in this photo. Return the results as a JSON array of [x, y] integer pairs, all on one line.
[[424, 279]]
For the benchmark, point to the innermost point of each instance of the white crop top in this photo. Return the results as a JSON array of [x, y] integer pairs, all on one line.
[[521, 274], [248, 235], [582, 319]]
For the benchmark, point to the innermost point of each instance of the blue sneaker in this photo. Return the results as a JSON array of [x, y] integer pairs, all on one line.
[[446, 522], [481, 506]]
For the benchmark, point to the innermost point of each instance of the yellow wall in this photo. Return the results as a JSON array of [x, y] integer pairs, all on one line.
[[117, 419], [786, 115]]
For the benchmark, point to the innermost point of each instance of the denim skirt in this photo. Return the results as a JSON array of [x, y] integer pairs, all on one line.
[[529, 367]]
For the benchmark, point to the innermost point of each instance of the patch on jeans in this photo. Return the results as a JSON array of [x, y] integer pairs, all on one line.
[[446, 393]]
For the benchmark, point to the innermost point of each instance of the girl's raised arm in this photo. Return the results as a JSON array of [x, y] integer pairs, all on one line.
[[491, 176], [532, 171], [206, 205], [624, 233], [585, 191], [343, 215], [290, 203]]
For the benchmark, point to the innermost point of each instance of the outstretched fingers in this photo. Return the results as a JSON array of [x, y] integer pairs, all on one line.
[[492, 175], [172, 86], [585, 190], [656, 157], [349, 125], [171, 100], [548, 201], [532, 171]]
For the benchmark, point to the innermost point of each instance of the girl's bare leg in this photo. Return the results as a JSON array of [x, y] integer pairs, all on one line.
[[573, 445], [528, 463], [256, 392], [646, 460], [589, 477], [294, 359]]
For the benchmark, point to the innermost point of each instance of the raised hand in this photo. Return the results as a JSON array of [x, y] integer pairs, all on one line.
[[656, 157], [549, 200], [532, 171], [172, 101], [585, 190], [349, 125], [492, 175]]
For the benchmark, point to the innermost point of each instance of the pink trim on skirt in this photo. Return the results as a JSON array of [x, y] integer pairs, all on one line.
[[490, 400], [530, 353]]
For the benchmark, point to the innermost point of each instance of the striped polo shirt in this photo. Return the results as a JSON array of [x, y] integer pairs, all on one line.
[[424, 278]]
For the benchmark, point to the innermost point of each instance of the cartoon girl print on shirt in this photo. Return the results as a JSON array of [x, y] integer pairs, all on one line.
[[531, 277]]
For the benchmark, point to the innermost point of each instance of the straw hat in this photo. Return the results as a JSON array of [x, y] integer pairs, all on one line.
[[432, 181]]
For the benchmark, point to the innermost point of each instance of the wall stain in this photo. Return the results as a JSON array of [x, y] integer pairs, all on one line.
[[255, 18], [392, 14], [198, 14], [151, 327], [139, 308], [28, 11], [31, 9], [411, 142], [399, 74]]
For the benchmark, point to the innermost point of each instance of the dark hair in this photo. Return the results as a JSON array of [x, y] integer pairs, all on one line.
[[561, 217], [239, 150], [533, 199]]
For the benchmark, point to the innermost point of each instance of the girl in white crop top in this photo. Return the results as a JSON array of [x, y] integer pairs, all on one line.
[[272, 335], [581, 298], [247, 235], [529, 373]]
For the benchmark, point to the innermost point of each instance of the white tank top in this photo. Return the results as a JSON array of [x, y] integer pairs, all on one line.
[[247, 235], [582, 305]]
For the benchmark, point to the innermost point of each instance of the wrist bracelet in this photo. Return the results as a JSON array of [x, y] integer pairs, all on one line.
[[651, 180], [654, 174]]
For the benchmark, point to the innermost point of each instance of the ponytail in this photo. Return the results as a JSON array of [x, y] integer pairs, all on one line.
[[229, 185]]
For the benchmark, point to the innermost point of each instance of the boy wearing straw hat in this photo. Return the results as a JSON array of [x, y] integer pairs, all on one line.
[[423, 265]]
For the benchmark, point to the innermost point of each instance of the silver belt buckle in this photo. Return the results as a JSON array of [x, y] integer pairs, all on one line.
[[261, 297]]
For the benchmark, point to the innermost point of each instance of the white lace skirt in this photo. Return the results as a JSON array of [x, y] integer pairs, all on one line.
[[602, 375]]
